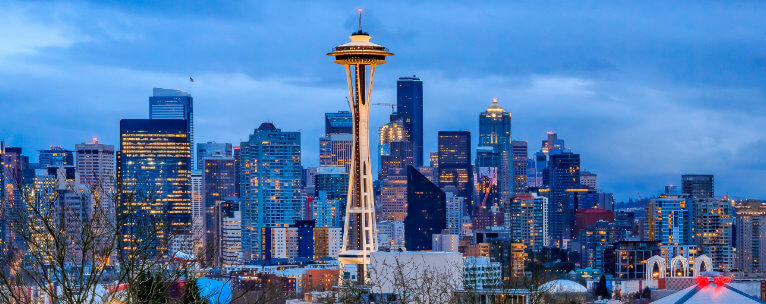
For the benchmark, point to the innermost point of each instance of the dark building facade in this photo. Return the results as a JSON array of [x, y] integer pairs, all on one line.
[[495, 133], [409, 106], [426, 211], [218, 182], [627, 259], [697, 185], [563, 174], [455, 168]]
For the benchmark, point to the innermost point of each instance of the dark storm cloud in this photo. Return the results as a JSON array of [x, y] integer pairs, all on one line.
[[644, 91]]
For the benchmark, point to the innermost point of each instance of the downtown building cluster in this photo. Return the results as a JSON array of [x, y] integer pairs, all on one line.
[[254, 206]]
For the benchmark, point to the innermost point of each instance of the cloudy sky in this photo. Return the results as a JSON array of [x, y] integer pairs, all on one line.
[[645, 92]]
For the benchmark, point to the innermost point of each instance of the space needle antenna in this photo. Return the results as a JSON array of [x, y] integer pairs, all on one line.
[[360, 19]]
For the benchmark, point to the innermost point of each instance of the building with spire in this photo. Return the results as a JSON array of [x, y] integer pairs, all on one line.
[[495, 133], [360, 57]]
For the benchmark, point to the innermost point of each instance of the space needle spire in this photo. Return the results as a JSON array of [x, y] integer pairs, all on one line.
[[360, 57]]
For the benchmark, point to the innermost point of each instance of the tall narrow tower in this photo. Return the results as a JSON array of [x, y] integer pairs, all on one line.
[[360, 56]]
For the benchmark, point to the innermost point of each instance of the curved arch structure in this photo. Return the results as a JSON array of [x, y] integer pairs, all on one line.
[[661, 264], [699, 261], [684, 266]]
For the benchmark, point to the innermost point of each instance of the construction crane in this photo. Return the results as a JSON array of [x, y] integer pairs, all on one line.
[[392, 105]]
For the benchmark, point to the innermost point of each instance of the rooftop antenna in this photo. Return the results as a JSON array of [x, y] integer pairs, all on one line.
[[360, 20]]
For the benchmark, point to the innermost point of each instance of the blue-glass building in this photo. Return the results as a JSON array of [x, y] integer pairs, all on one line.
[[495, 133], [338, 123], [154, 177], [563, 174], [270, 184], [409, 106], [56, 157], [426, 211], [218, 184], [173, 104]]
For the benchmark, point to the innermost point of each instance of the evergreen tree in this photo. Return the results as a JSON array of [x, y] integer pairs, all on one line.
[[601, 290], [151, 289], [192, 293]]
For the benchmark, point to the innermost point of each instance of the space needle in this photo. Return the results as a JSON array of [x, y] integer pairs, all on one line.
[[359, 56]]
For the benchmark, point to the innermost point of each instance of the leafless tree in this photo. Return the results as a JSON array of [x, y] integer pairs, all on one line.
[[63, 242]]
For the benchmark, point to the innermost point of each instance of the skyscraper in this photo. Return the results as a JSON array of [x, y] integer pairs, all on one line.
[[340, 122], [95, 164], [670, 220], [218, 181], [563, 174], [519, 165], [528, 217], [751, 235], [174, 104], [212, 149], [237, 169], [396, 150], [393, 195], [697, 185], [228, 232], [495, 132], [56, 157], [270, 185], [409, 106], [335, 150], [198, 210], [359, 56], [154, 163], [455, 163], [331, 185], [455, 211], [713, 219], [426, 211]]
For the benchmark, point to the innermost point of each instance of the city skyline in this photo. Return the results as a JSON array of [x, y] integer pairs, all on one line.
[[634, 125]]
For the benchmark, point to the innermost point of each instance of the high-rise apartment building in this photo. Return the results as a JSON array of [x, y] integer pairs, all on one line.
[[174, 104], [426, 211], [519, 166], [390, 235], [751, 236], [212, 149], [455, 212], [713, 220], [56, 157], [228, 232], [270, 185], [588, 179], [670, 220], [154, 163], [409, 106], [393, 195], [528, 219], [198, 210], [697, 185], [95, 164], [455, 163]]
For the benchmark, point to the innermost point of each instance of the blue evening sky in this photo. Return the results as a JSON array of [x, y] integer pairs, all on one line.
[[645, 91]]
